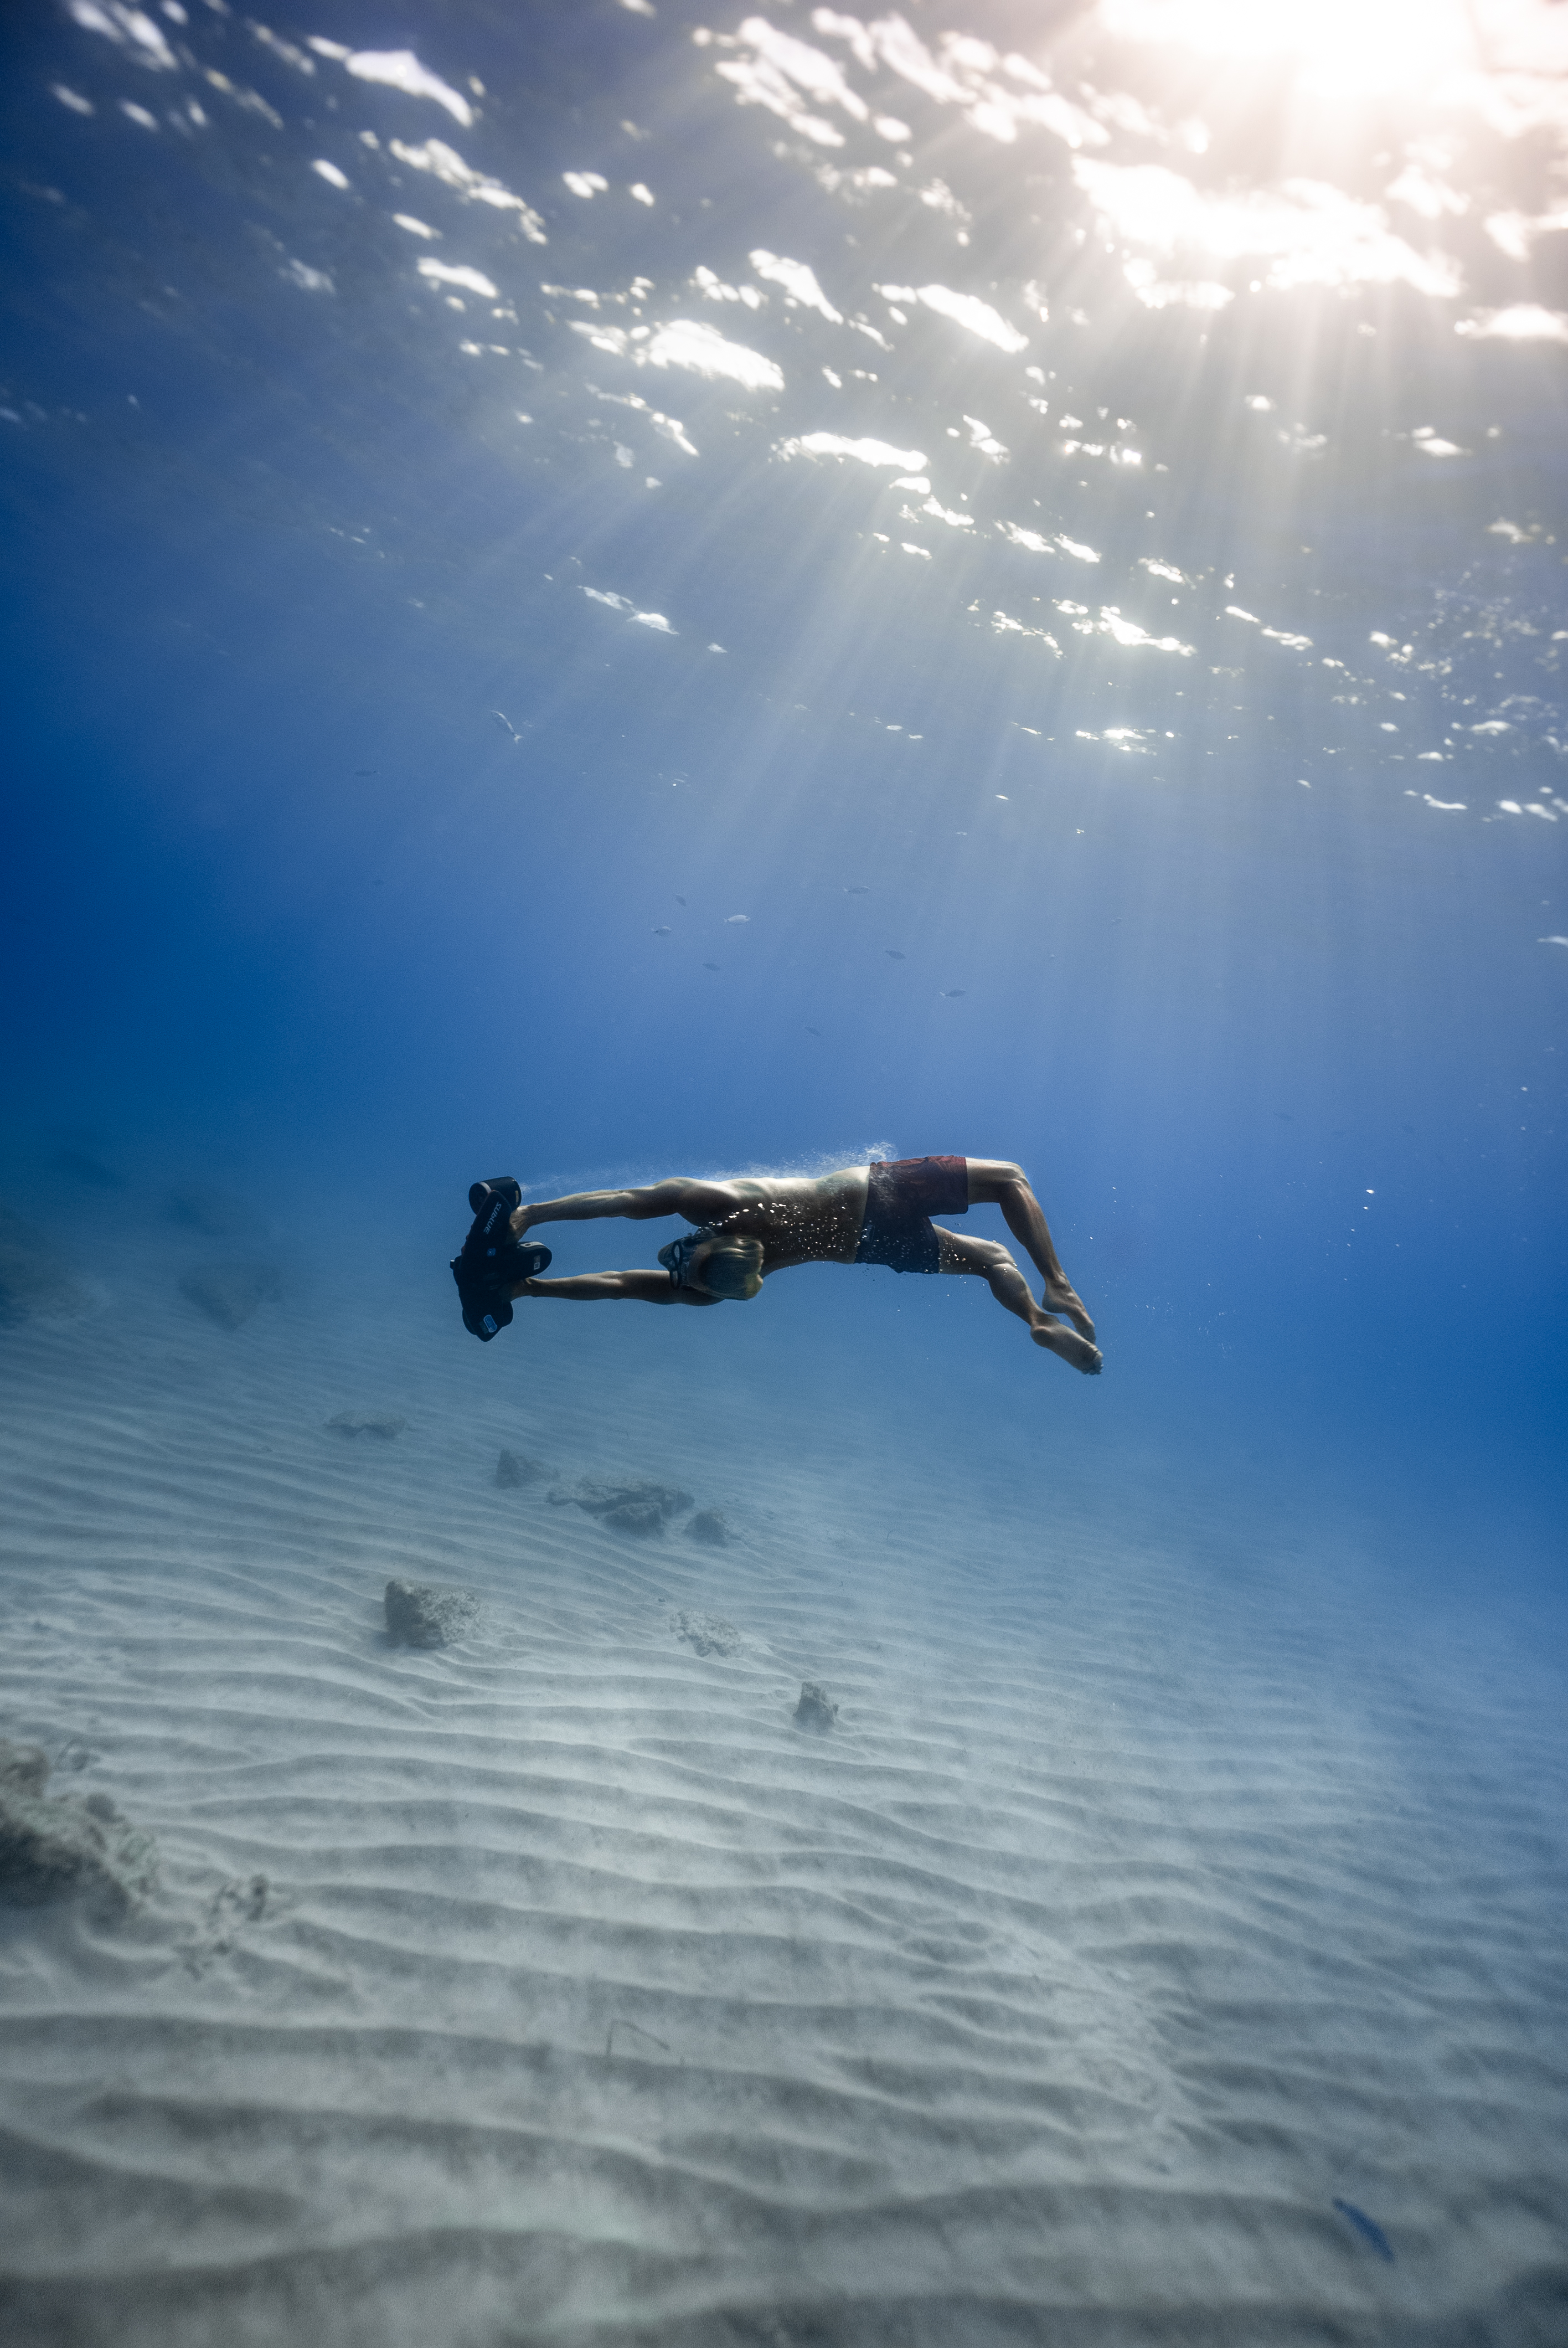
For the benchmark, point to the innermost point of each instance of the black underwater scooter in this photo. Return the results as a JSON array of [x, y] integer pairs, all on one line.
[[491, 1261]]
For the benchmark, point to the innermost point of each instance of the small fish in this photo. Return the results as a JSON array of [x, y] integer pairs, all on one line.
[[813, 1031], [1368, 2228], [951, 993], [367, 770], [505, 724], [857, 892], [710, 965], [662, 932], [730, 919], [680, 900], [893, 954]]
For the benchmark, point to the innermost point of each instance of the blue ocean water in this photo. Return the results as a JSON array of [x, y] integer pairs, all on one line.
[[598, 591]]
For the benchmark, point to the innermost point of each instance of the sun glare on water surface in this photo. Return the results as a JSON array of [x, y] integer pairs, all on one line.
[[1343, 47], [1381, 152]]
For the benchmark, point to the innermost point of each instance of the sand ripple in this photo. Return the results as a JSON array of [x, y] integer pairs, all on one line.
[[557, 1987]]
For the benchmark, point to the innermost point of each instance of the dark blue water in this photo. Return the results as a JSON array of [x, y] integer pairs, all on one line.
[[1169, 792]]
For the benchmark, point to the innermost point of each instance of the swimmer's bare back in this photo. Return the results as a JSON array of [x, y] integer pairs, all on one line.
[[800, 1220]]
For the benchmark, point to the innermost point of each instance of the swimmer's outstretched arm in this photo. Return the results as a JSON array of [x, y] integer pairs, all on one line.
[[699, 1202], [608, 1287]]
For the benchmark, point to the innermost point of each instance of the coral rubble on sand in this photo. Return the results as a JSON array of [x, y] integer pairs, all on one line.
[[707, 1633], [217, 1214], [426, 1615], [32, 1277], [86, 1166], [816, 1708], [229, 1292], [51, 1847], [711, 1528], [626, 1506], [513, 1468]]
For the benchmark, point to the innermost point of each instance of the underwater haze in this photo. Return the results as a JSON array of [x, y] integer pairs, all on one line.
[[596, 591]]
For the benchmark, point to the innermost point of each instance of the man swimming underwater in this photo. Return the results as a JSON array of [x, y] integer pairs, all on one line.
[[755, 1225]]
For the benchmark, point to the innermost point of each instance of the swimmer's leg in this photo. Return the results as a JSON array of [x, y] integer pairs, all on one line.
[[997, 1182], [699, 1202], [988, 1260], [613, 1287]]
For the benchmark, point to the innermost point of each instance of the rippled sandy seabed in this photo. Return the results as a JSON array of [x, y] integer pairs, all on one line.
[[646, 587], [1153, 1891]]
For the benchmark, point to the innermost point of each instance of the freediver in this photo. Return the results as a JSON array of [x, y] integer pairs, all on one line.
[[753, 1226]]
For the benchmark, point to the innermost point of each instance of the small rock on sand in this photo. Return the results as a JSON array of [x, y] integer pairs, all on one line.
[[52, 1848], [24, 1770], [385, 1424], [707, 1633], [513, 1468], [236, 1905], [424, 1614], [816, 1708], [627, 1508], [710, 1527], [217, 1214], [229, 1292], [243, 1901], [32, 1277], [86, 1166]]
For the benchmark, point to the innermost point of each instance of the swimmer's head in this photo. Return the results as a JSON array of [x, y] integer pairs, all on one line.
[[730, 1268]]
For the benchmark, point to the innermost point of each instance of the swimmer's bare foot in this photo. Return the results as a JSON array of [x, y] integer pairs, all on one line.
[[1068, 1345], [1060, 1296]]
